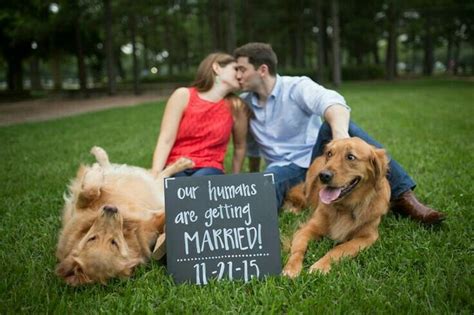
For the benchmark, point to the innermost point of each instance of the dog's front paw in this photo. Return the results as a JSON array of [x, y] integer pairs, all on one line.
[[292, 270], [321, 266], [289, 207]]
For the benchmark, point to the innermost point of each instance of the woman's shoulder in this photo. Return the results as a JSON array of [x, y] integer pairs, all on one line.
[[183, 92], [179, 99], [181, 95]]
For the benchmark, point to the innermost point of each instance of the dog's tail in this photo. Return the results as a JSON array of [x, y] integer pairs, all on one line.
[[101, 156]]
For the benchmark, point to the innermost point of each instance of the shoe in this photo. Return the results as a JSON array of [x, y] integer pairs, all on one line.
[[407, 204]]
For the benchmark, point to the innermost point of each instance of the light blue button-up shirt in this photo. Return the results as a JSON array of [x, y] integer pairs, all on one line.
[[285, 128]]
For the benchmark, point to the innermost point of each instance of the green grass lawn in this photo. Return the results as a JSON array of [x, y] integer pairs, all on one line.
[[426, 125]]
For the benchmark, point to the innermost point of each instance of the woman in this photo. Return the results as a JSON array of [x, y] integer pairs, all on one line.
[[198, 121]]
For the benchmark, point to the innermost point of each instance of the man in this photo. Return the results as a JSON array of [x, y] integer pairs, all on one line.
[[289, 133]]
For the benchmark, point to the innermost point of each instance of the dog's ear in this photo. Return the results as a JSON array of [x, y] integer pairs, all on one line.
[[72, 272], [86, 197], [379, 161], [312, 176], [129, 266], [158, 221]]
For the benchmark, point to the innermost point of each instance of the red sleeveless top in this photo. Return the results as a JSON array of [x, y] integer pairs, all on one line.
[[203, 132]]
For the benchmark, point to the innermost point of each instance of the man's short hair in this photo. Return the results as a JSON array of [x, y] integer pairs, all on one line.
[[258, 54]]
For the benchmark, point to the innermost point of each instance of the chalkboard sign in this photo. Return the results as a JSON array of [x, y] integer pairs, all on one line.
[[223, 227]]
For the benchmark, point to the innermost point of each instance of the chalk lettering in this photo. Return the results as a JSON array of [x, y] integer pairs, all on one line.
[[230, 192], [241, 238], [187, 238], [184, 217], [226, 212], [187, 192]]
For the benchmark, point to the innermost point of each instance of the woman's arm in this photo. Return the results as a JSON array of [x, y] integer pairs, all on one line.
[[169, 128], [239, 133]]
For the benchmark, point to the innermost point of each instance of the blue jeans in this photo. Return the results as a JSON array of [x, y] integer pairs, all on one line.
[[203, 171], [286, 177], [398, 178]]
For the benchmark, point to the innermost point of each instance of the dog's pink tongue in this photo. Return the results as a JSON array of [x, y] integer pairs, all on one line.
[[328, 195]]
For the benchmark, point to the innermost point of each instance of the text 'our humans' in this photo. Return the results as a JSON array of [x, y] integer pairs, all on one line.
[[220, 192]]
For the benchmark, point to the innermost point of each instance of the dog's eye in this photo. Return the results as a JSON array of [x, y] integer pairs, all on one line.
[[114, 243], [93, 238], [351, 157], [329, 154]]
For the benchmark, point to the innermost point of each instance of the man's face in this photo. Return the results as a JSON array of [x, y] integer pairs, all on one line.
[[249, 78]]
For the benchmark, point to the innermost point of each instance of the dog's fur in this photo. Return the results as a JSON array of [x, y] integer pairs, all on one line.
[[349, 216], [112, 216]]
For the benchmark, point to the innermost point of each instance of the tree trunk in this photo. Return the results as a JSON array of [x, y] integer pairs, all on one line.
[[109, 48], [449, 55], [119, 70], [201, 33], [457, 51], [321, 48], [56, 70], [391, 59], [428, 59], [231, 37], [298, 35], [35, 75], [336, 67], [327, 44], [133, 34], [14, 73], [146, 64], [248, 10], [215, 26], [375, 53], [170, 43], [81, 66]]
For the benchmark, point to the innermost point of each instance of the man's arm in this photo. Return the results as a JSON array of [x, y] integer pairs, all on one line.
[[337, 116]]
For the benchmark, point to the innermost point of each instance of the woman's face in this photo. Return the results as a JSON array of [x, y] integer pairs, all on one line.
[[228, 75]]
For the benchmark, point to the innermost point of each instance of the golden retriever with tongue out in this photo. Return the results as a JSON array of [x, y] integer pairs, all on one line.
[[348, 188]]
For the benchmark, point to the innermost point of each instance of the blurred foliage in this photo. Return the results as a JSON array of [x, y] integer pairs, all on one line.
[[47, 40]]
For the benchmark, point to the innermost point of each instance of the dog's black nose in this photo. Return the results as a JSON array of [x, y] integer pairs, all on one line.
[[110, 209], [326, 176]]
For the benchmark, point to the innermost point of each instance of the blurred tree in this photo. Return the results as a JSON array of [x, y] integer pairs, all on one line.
[[109, 47], [320, 41], [336, 43], [17, 29], [174, 35], [230, 26], [360, 30], [393, 18]]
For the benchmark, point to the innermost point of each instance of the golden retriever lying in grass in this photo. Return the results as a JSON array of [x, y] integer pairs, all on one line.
[[112, 217], [348, 189]]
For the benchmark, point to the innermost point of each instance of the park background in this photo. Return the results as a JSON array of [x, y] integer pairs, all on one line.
[[111, 45], [405, 68]]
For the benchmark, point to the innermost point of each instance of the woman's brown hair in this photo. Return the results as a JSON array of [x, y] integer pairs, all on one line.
[[205, 75]]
